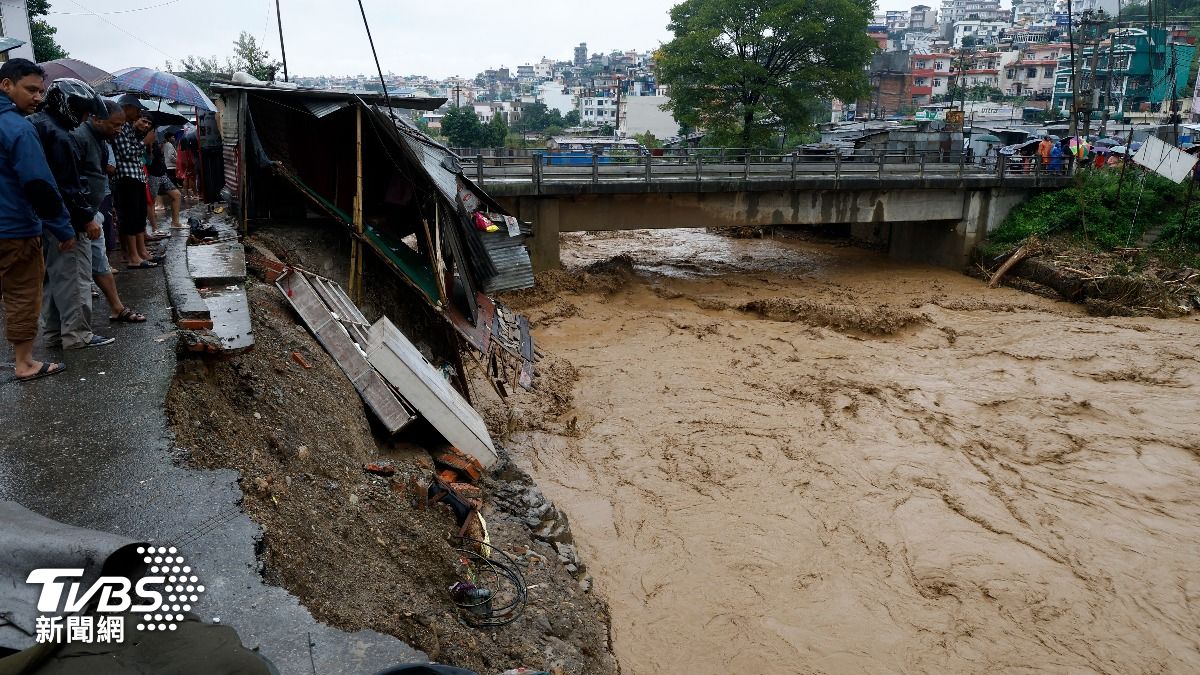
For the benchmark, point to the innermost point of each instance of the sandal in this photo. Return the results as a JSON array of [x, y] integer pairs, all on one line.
[[145, 265], [128, 316], [156, 235], [46, 370]]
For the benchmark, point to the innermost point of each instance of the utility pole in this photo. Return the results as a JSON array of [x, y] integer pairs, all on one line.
[[1091, 95], [1074, 125], [282, 50], [1112, 43]]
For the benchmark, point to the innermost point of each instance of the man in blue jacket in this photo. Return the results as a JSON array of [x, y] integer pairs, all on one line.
[[29, 203]]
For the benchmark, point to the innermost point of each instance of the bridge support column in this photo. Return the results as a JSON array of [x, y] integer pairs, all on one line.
[[543, 245], [949, 243]]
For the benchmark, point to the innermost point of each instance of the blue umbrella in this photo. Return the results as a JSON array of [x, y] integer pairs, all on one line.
[[163, 85]]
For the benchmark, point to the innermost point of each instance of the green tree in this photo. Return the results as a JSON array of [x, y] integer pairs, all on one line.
[[647, 139], [571, 119], [462, 128], [247, 57], [45, 47], [253, 59], [744, 70], [606, 129], [496, 131]]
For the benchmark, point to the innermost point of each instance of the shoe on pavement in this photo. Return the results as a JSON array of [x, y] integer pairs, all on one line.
[[96, 341]]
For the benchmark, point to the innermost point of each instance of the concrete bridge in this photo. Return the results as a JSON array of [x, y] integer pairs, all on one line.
[[920, 210]]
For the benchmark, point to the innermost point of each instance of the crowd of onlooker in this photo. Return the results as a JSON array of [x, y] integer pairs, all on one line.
[[80, 178]]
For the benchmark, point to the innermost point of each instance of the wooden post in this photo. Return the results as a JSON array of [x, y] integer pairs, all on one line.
[[595, 167], [796, 159], [746, 167], [356, 251], [649, 159], [479, 169], [699, 162]]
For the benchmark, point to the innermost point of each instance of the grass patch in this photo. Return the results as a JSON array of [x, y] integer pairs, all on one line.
[[1091, 213]]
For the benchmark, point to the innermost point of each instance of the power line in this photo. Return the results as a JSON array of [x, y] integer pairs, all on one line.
[[118, 11], [135, 37]]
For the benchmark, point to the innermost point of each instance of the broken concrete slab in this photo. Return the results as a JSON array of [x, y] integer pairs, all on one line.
[[217, 264], [230, 314], [186, 302]]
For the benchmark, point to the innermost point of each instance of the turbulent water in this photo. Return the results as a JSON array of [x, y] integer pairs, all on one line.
[[786, 456]]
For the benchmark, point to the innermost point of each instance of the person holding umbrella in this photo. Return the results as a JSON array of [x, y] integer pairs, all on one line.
[[92, 141], [129, 187]]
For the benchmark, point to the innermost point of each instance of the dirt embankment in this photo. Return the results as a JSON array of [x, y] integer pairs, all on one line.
[[353, 546], [990, 481]]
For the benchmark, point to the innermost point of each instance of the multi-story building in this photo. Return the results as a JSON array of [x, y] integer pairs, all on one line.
[[922, 18], [954, 11], [896, 20], [932, 74], [598, 110], [1030, 12], [581, 55], [1140, 71], [1034, 72], [985, 32]]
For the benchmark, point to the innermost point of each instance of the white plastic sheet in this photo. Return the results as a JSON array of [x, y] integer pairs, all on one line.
[[1165, 160]]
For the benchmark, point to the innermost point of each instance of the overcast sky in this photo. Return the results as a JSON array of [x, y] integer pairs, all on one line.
[[326, 37]]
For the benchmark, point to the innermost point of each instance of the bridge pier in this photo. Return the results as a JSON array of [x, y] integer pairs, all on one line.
[[544, 250]]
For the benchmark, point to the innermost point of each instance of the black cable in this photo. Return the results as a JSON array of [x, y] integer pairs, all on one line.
[[505, 567], [382, 83]]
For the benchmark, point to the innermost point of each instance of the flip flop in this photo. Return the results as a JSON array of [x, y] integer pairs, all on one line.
[[145, 265], [127, 315], [158, 235], [45, 371]]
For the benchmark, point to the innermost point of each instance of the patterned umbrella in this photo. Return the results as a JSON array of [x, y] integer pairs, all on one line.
[[80, 70], [164, 85]]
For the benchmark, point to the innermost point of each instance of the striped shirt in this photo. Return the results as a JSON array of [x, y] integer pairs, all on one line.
[[128, 149]]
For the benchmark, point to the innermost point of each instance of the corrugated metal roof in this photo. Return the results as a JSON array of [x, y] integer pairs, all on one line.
[[431, 158], [514, 271], [323, 107]]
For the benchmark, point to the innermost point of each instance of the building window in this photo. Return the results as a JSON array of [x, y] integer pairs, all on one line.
[[1049, 72], [1032, 73]]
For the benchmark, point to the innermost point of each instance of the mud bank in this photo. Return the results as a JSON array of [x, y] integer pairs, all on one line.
[[353, 546], [990, 481]]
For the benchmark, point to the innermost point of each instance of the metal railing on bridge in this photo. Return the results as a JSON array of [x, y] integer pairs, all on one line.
[[538, 168]]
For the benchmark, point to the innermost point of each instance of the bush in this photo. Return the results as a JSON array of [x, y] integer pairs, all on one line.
[[1091, 211]]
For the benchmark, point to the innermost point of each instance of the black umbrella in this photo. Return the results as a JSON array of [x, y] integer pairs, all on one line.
[[161, 114]]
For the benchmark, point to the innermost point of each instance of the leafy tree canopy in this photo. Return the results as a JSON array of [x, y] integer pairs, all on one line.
[[745, 70], [464, 130], [247, 57], [45, 47]]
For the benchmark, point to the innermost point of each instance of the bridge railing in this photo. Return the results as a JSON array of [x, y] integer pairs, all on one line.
[[542, 168]]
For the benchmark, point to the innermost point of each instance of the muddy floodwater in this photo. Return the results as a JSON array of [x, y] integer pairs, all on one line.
[[788, 456]]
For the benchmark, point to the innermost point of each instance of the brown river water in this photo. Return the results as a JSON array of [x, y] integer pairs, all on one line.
[[876, 467]]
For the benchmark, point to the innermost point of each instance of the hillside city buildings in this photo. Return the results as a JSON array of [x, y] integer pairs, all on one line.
[[928, 59]]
